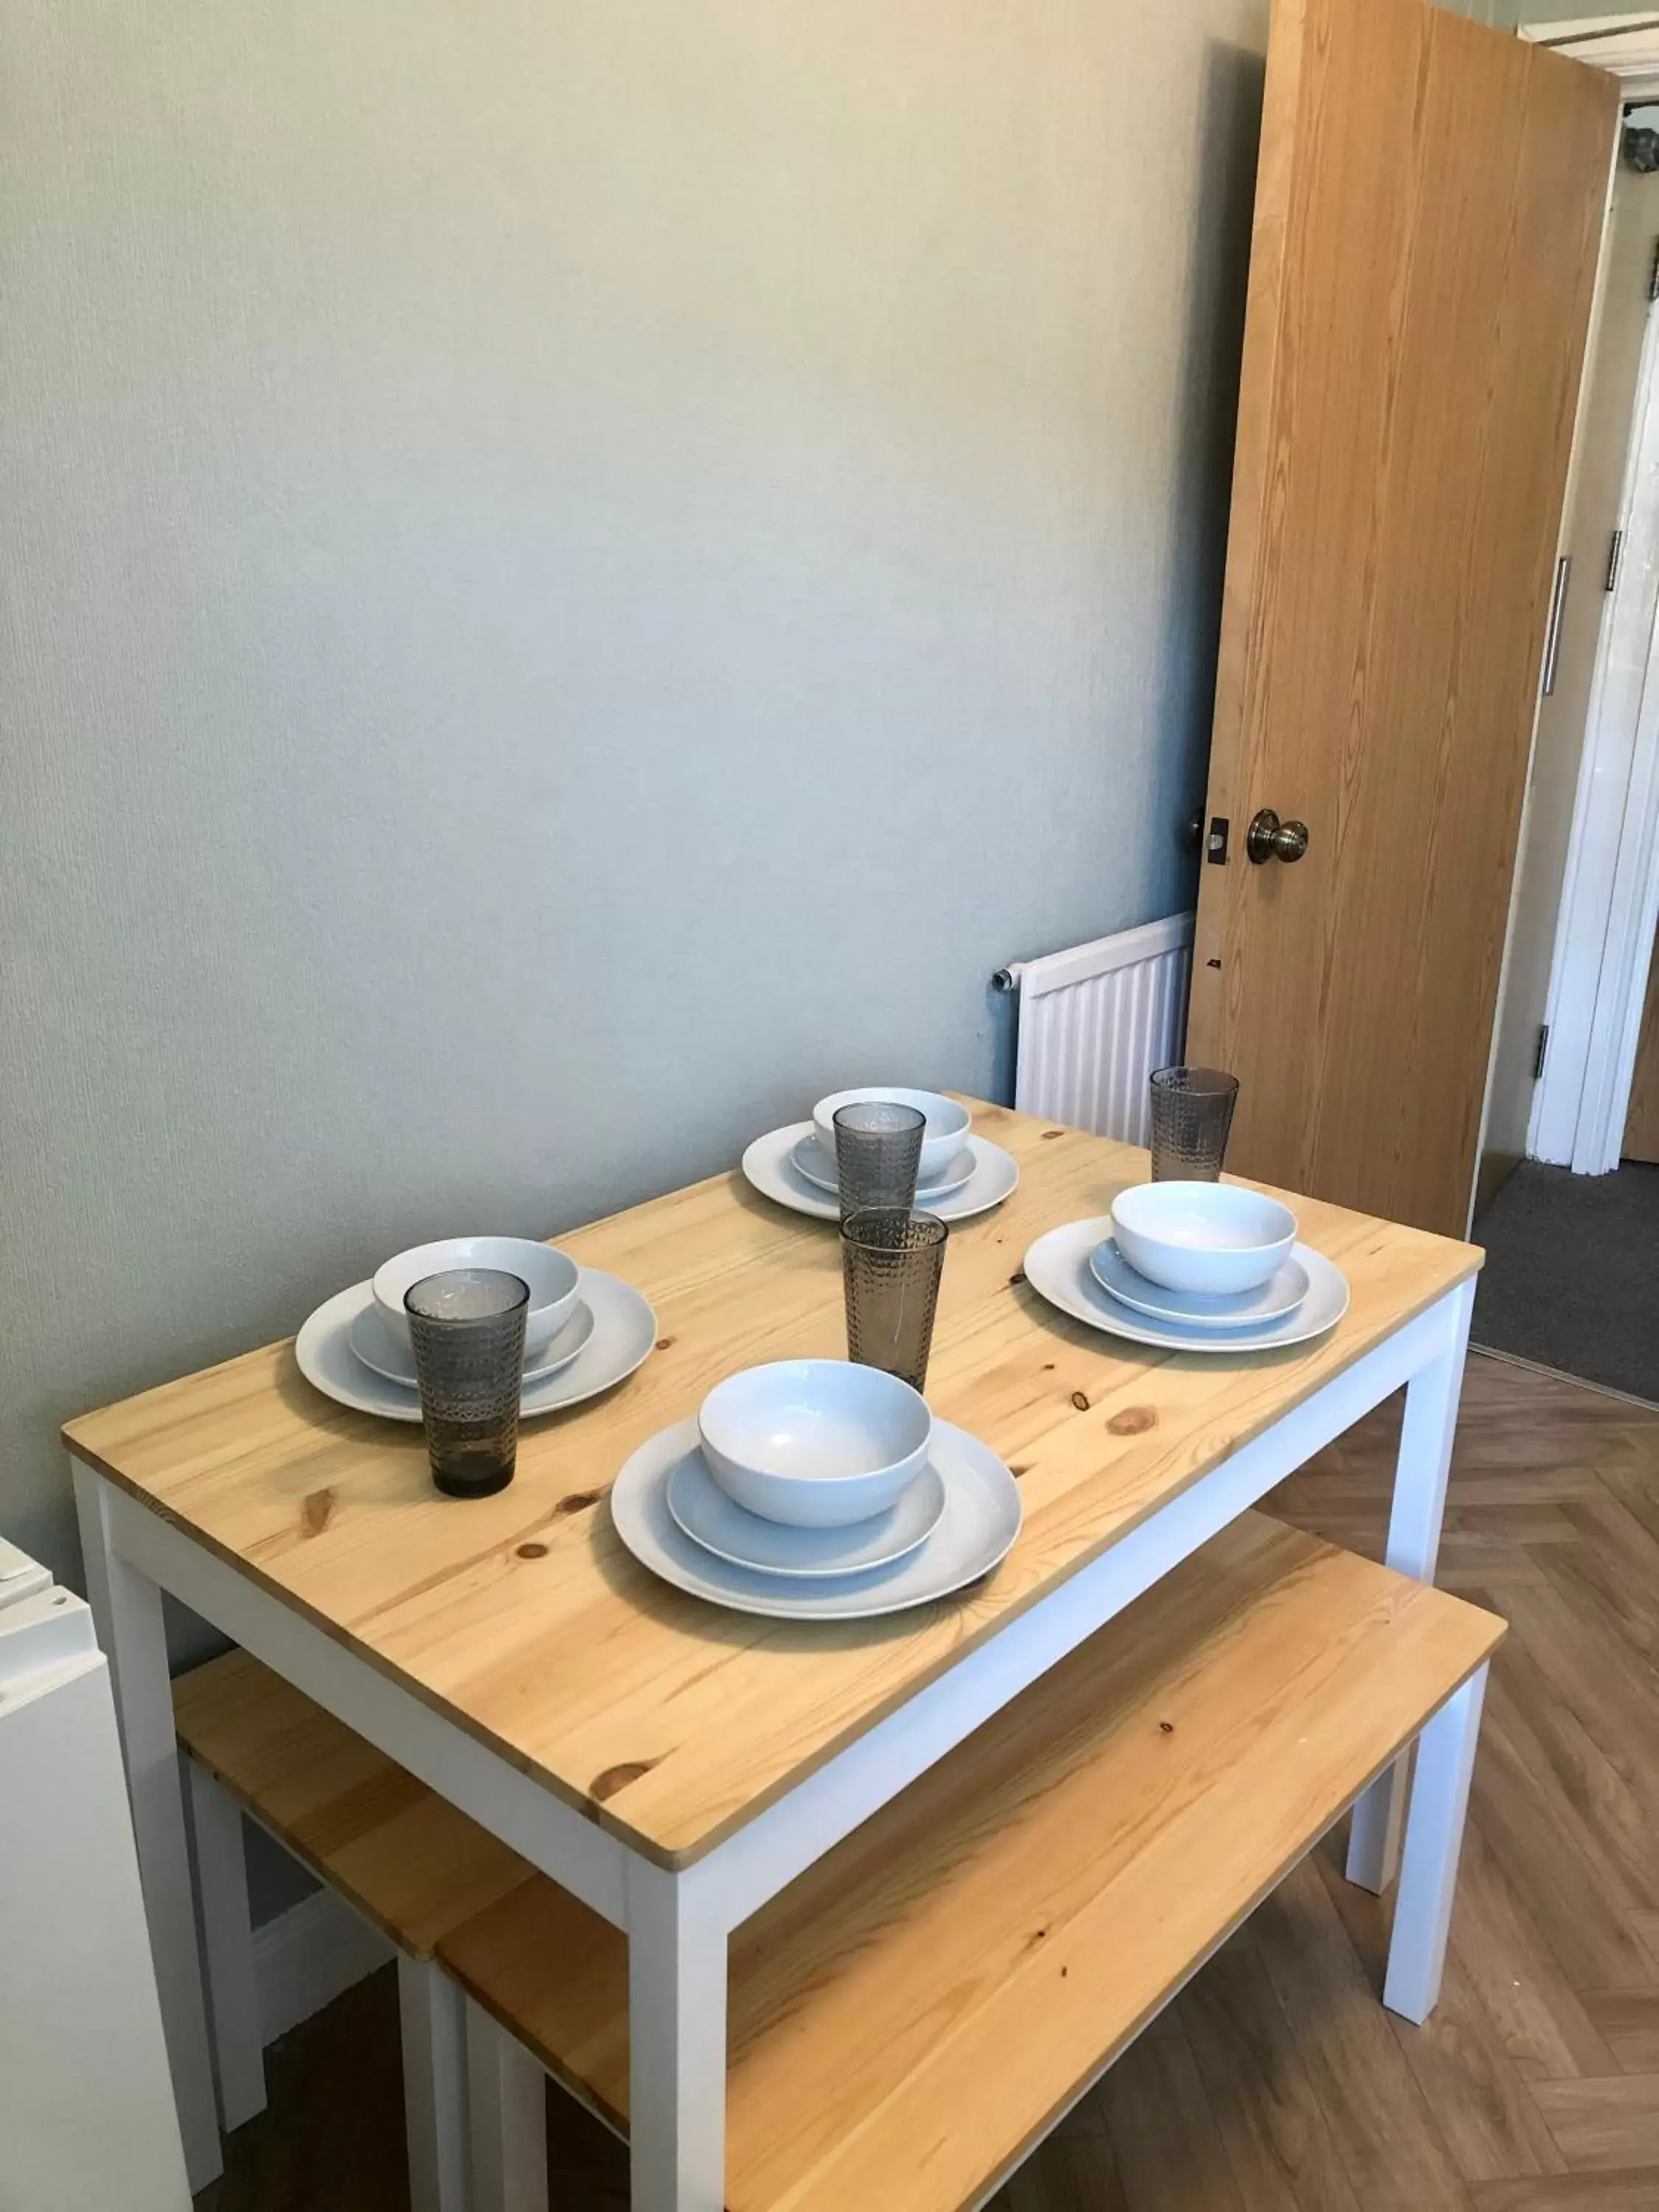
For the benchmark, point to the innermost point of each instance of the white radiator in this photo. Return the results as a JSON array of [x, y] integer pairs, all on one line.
[[1096, 1021]]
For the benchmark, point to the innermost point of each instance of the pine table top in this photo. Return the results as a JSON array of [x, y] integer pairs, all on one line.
[[522, 1619]]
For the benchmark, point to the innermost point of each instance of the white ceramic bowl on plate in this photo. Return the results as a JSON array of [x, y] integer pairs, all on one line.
[[816, 1443], [551, 1277], [1202, 1236], [946, 1133]]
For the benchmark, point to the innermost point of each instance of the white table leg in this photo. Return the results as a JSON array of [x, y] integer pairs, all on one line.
[[506, 2099], [430, 2007], [1419, 1502], [1434, 1838], [677, 2042], [127, 1609], [226, 1948]]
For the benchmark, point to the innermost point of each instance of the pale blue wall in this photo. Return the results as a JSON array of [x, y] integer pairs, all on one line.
[[572, 577]]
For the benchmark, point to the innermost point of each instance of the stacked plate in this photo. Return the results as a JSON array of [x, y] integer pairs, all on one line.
[[584, 1330], [961, 1174], [1199, 1267], [816, 1490]]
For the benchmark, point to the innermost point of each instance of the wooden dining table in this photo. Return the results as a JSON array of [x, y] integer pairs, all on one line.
[[672, 1766]]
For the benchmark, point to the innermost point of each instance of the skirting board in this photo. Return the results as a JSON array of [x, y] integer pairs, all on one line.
[[309, 1956]]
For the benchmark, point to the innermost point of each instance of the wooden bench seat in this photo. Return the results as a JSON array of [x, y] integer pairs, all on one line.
[[394, 1849], [915, 2012]]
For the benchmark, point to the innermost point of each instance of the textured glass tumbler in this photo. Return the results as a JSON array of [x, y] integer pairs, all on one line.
[[467, 1329], [878, 1155], [890, 1266], [1192, 1113]]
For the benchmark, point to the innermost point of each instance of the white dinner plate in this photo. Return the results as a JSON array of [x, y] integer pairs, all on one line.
[[974, 1533], [1057, 1267], [810, 1162], [721, 1526], [624, 1331], [1282, 1292], [377, 1347], [769, 1165]]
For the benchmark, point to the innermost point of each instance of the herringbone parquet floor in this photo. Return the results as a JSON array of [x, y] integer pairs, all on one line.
[[1276, 2083]]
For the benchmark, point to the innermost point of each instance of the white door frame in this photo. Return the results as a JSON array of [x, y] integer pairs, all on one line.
[[1610, 893], [1626, 46]]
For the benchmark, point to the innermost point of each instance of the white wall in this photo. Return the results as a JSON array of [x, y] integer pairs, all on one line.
[[572, 576], [1556, 11]]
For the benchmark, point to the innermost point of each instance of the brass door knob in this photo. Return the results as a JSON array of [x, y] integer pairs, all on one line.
[[1267, 838]]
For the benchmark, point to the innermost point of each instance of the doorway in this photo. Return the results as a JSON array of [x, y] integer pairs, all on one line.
[[1568, 1198]]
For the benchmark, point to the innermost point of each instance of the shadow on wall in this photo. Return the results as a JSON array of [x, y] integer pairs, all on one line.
[[1228, 142]]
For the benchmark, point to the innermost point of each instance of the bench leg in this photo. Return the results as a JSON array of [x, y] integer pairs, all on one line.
[[676, 2043], [1420, 1503], [434, 2085], [1434, 1839], [126, 1608], [507, 2097], [226, 1948]]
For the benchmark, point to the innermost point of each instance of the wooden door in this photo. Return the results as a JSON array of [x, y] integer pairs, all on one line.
[[1428, 208], [1642, 1123]]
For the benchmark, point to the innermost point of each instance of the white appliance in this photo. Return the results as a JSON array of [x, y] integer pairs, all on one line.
[[87, 2118]]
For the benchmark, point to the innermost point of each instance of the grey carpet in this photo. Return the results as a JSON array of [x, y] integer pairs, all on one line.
[[1571, 1278]]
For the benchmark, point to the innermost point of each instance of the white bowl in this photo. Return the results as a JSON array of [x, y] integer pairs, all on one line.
[[816, 1443], [946, 1134], [1202, 1236], [551, 1276]]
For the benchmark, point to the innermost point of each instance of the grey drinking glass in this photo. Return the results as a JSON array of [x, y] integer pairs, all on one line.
[[1192, 1113], [878, 1155], [467, 1326], [890, 1267]]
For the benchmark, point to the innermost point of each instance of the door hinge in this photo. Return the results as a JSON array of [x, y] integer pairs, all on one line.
[[1615, 555], [1542, 1053], [1653, 274]]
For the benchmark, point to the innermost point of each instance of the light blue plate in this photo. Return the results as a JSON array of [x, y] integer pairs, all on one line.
[[1059, 1267], [721, 1526], [810, 1160], [979, 1524], [1282, 1293]]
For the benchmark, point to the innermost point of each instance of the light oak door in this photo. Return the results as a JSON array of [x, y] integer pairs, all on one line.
[[1428, 208]]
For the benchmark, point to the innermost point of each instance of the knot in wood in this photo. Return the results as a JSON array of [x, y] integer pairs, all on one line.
[[614, 1778]]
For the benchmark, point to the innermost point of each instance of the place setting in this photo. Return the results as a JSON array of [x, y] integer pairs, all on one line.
[[827, 1489], [1186, 1262], [580, 1330], [958, 1174]]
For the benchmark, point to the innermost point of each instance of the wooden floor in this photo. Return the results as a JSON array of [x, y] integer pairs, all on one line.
[[1276, 2083]]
